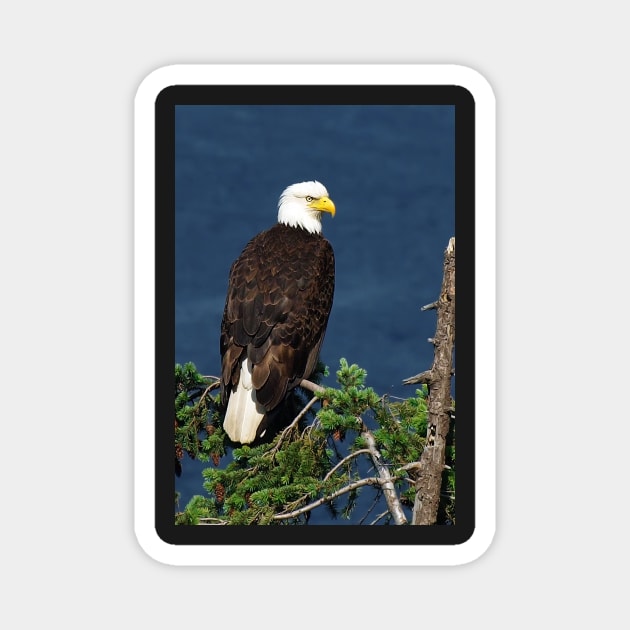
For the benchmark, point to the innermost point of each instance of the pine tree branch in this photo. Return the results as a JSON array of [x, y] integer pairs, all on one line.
[[330, 473], [216, 380], [209, 388], [295, 420], [386, 480], [374, 481]]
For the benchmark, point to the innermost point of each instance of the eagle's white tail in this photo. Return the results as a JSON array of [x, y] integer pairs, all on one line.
[[243, 415]]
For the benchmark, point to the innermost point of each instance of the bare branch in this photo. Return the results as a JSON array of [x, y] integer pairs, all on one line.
[[212, 521], [374, 481], [312, 387], [377, 497], [428, 482], [379, 517], [386, 480], [330, 473], [414, 468], [423, 377]]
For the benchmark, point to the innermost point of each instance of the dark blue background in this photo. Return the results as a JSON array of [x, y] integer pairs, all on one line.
[[390, 172]]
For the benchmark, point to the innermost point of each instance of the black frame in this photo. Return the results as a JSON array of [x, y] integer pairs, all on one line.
[[165, 105]]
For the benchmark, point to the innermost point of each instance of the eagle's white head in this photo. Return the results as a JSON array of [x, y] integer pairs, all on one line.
[[301, 205]]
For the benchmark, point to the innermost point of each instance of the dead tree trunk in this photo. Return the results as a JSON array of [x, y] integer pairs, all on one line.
[[428, 482]]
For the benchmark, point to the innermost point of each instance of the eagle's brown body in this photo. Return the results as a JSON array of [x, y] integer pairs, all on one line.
[[279, 297]]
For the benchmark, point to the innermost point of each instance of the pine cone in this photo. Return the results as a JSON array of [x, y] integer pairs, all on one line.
[[216, 458], [219, 492]]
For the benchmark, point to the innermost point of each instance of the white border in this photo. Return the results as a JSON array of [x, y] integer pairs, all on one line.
[[144, 316]]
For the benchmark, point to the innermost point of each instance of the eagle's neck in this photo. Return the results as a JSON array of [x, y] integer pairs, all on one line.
[[296, 215]]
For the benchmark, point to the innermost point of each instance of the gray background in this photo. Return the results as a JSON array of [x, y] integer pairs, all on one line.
[[70, 72]]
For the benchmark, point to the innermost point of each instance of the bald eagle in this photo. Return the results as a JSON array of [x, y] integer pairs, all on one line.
[[279, 296]]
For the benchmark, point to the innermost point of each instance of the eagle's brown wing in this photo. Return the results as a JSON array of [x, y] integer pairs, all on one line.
[[279, 297]]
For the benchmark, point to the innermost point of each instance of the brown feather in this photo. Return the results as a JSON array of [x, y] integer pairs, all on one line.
[[279, 298]]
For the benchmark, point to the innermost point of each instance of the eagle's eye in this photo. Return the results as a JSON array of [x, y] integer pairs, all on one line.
[[309, 199]]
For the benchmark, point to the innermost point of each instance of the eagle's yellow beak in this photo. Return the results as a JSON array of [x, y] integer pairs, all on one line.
[[323, 204]]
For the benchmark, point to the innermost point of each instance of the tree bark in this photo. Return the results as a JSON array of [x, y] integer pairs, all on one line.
[[438, 379]]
